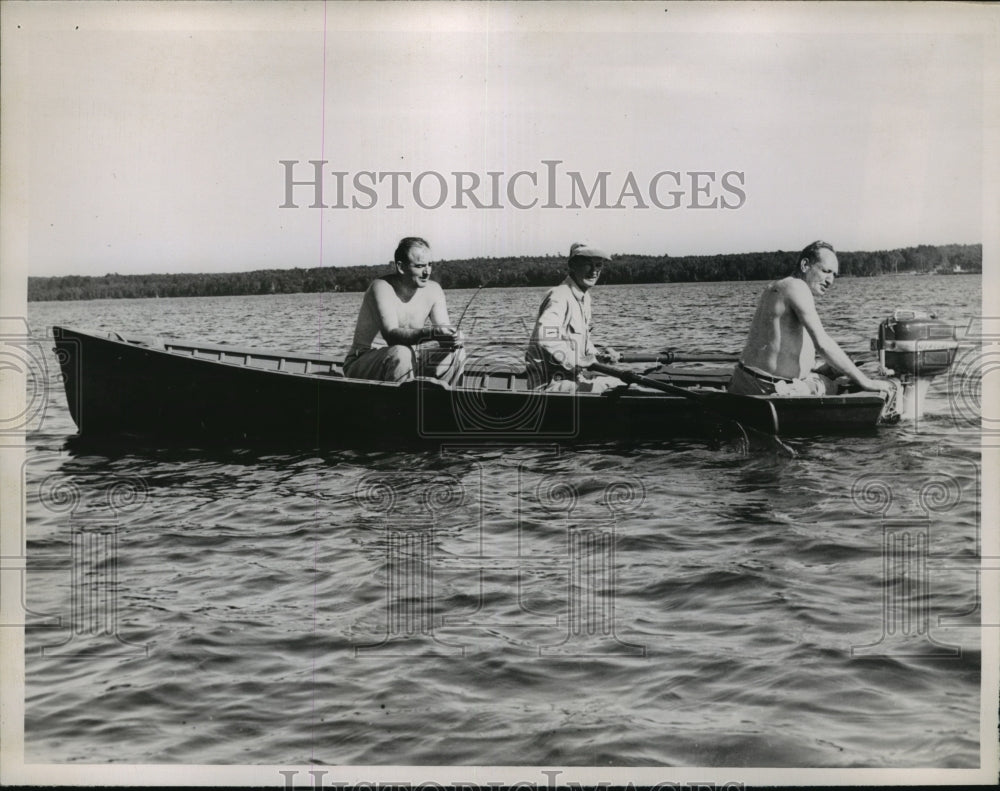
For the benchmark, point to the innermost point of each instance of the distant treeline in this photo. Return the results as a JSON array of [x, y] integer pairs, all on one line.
[[518, 271]]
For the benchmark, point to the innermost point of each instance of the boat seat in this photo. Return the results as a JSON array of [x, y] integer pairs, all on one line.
[[479, 379]]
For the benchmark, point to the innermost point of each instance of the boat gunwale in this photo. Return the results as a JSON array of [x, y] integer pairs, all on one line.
[[178, 348]]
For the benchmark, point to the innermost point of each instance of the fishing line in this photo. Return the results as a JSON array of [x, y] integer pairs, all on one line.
[[469, 303]]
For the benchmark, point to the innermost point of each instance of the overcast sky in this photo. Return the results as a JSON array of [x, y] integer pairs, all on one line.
[[148, 138]]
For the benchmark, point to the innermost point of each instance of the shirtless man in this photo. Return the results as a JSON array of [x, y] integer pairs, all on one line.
[[391, 341], [786, 335]]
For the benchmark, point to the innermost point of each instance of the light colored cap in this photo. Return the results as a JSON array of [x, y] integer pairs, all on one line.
[[586, 250]]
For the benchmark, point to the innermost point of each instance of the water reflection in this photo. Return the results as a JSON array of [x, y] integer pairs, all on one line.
[[254, 574]]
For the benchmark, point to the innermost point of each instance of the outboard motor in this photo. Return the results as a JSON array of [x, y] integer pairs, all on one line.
[[913, 347]]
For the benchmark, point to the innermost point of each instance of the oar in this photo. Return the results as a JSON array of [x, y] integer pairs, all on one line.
[[756, 413], [668, 356]]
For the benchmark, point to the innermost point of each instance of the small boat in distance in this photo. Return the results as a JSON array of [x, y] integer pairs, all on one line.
[[202, 393]]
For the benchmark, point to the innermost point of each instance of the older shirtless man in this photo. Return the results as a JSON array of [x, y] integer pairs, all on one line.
[[786, 335], [391, 341]]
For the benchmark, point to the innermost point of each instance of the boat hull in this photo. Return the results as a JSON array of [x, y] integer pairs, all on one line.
[[200, 393]]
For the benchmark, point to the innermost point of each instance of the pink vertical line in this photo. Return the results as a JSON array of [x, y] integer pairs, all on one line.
[[319, 334], [322, 156]]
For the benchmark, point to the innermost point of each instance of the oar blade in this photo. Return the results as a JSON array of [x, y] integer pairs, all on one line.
[[754, 412]]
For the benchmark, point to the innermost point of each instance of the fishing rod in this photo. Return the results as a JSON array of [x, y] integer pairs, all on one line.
[[469, 303], [467, 306]]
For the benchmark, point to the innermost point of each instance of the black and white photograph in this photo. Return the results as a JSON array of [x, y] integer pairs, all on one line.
[[479, 394]]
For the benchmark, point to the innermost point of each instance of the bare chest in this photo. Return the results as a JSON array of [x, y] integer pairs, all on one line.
[[413, 312]]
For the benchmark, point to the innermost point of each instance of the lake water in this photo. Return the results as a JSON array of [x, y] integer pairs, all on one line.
[[682, 604]]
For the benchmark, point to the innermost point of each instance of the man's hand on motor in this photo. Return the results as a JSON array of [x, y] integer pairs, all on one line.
[[879, 386]]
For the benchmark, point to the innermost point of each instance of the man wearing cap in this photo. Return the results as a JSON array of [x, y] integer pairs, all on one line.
[[391, 341], [560, 348], [786, 334]]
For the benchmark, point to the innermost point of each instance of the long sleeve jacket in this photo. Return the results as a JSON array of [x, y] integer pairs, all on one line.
[[560, 342]]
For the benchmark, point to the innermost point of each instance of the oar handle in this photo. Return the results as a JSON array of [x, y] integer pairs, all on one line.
[[636, 379]]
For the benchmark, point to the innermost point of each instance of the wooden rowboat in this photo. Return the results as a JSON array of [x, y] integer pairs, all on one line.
[[192, 392]]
